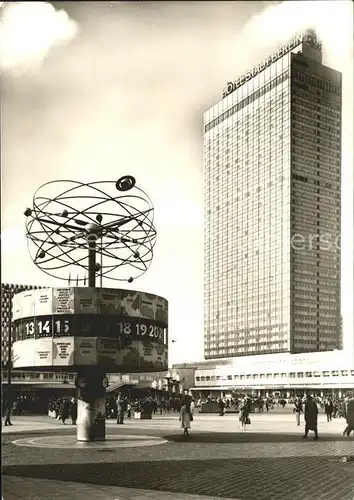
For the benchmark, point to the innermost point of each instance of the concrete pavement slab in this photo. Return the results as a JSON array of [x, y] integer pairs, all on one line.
[[268, 461], [15, 488]]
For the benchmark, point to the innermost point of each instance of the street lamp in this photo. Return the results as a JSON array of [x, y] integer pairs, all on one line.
[[8, 292], [154, 387], [177, 380], [168, 377]]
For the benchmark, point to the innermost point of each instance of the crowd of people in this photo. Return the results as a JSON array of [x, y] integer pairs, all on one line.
[[332, 408], [146, 405], [24, 404], [255, 403], [62, 409], [258, 403], [117, 407], [121, 406]]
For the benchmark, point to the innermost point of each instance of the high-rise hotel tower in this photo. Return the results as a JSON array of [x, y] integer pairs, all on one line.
[[272, 162]]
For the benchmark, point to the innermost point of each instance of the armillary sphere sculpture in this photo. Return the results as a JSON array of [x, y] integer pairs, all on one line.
[[72, 223], [93, 229]]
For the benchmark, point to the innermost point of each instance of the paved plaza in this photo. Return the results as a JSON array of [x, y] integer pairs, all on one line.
[[149, 459]]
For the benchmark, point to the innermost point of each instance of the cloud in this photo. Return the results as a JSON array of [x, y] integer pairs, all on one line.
[[27, 33], [332, 20], [128, 97], [278, 22]]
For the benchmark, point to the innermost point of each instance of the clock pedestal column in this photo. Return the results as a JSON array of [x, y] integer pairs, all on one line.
[[91, 406]]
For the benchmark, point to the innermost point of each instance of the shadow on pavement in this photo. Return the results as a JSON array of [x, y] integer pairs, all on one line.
[[302, 478], [246, 437]]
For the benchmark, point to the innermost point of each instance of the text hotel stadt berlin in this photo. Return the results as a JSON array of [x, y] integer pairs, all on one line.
[[272, 166]]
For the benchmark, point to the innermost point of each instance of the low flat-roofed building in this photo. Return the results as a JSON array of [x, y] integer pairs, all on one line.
[[321, 372]]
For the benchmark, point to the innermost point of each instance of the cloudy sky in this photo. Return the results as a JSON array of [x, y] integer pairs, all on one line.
[[96, 90]]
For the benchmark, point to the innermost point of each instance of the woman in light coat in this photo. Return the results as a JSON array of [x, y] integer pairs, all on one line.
[[245, 410], [185, 417]]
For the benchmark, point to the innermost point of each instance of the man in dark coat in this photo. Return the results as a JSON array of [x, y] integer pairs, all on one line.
[[121, 406], [64, 410], [7, 414], [328, 407], [311, 415], [221, 407]]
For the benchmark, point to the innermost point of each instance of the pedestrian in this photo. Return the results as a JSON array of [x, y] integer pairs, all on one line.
[[298, 409], [311, 416], [7, 414], [58, 404], [120, 408], [192, 406], [185, 417], [221, 407], [245, 410], [349, 413], [15, 407], [64, 410], [129, 410], [162, 406], [328, 407], [73, 411]]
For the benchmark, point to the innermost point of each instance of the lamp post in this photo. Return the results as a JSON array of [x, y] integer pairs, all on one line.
[[154, 387], [178, 387], [168, 377], [7, 291], [9, 372], [175, 380]]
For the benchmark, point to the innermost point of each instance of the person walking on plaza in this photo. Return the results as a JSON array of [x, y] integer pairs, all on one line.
[[221, 407], [121, 405], [328, 407], [129, 410], [349, 415], [58, 405], [245, 410], [162, 406], [298, 409], [73, 411], [7, 409], [311, 417], [192, 405], [64, 410], [185, 417]]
